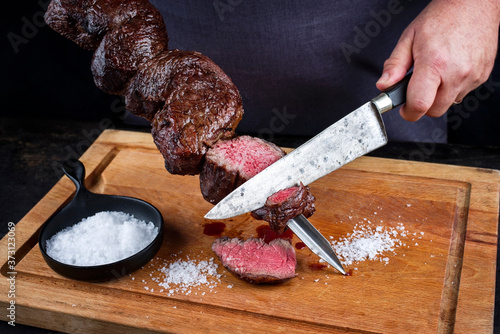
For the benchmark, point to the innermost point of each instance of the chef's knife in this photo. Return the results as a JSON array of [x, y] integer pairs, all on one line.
[[358, 133]]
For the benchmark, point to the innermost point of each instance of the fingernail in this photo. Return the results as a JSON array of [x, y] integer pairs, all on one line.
[[383, 78]]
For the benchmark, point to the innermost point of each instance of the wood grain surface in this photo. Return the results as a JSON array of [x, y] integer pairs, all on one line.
[[441, 279]]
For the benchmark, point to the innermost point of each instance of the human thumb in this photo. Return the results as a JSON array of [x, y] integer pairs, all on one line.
[[398, 64]]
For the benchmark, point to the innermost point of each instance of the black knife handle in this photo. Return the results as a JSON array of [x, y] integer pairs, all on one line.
[[397, 92]]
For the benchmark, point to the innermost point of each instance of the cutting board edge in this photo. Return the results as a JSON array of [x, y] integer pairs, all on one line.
[[138, 321]]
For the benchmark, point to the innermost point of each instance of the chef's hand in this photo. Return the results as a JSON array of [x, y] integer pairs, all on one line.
[[452, 47]]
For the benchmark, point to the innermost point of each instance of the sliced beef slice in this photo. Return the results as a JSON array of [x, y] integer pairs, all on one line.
[[255, 261], [232, 162], [199, 105], [284, 205]]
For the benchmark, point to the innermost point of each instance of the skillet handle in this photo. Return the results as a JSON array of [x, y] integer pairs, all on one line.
[[75, 170]]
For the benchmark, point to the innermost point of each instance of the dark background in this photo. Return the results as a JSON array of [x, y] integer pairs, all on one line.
[[48, 98], [46, 76]]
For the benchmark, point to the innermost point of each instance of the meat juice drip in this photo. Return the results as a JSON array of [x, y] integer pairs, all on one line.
[[265, 232], [300, 245], [214, 229], [317, 266]]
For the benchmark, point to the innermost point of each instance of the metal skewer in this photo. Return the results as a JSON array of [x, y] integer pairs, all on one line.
[[316, 242]]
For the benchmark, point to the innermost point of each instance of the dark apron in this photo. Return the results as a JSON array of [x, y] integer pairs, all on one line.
[[300, 65]]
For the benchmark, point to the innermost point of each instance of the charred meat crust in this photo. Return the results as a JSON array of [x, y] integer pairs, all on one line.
[[85, 22], [124, 49], [216, 182], [165, 76], [200, 106], [277, 214], [124, 34], [191, 102]]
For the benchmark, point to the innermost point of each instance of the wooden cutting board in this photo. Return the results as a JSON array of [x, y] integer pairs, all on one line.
[[440, 279]]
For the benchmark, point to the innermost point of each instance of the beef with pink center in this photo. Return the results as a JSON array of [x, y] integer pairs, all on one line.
[[255, 261], [284, 205], [232, 162]]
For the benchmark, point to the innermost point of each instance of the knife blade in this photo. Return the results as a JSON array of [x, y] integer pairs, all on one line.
[[356, 134], [315, 241]]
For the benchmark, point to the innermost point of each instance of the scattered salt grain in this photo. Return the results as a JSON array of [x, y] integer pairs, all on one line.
[[186, 276], [105, 237], [369, 243]]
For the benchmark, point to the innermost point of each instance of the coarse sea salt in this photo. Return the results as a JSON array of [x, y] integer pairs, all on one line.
[[368, 242], [103, 238], [186, 276]]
